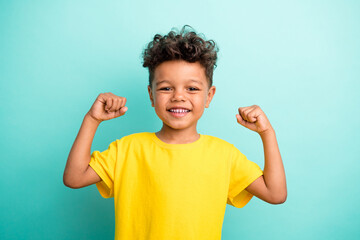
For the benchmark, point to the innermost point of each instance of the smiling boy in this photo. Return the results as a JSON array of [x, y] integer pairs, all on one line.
[[179, 95], [175, 183]]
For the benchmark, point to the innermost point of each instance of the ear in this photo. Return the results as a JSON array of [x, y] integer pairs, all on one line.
[[151, 96], [210, 95]]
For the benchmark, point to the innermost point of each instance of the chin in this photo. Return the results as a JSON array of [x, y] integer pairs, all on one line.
[[177, 127]]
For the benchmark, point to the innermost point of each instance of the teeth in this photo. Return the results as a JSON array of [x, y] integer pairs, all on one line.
[[179, 110]]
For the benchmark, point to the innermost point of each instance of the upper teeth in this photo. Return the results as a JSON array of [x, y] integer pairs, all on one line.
[[179, 110]]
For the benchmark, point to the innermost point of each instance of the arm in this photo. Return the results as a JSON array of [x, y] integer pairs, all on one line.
[[271, 187], [77, 172]]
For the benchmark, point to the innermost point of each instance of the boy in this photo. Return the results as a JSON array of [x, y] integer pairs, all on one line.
[[175, 183]]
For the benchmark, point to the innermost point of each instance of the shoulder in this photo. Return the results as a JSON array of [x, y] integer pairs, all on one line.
[[215, 141], [135, 138]]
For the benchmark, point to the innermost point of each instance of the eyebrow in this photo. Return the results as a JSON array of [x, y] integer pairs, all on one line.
[[164, 81]]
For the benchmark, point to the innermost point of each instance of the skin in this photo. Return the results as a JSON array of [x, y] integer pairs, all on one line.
[[179, 83], [195, 95], [271, 186]]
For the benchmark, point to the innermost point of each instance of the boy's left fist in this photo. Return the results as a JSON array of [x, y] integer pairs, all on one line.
[[253, 118]]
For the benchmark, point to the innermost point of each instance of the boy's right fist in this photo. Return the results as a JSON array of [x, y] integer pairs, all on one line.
[[107, 106]]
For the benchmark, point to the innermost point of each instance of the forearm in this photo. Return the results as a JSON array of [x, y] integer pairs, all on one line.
[[79, 156], [274, 173]]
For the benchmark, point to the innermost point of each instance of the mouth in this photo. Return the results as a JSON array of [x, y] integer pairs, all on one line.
[[178, 112]]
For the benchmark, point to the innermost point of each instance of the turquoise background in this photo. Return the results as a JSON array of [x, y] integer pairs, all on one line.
[[298, 60]]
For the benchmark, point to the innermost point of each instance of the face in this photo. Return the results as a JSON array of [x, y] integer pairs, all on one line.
[[179, 93]]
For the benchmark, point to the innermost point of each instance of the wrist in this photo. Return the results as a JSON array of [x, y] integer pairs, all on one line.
[[90, 118], [267, 132]]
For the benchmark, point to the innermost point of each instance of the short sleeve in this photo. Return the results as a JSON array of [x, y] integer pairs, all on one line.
[[243, 172], [103, 164]]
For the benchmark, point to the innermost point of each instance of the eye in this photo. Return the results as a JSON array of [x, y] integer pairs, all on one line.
[[165, 89], [193, 89]]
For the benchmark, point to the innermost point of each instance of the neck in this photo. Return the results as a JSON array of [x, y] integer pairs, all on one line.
[[177, 136]]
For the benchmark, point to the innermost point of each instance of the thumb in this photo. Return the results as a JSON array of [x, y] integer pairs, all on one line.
[[240, 120], [121, 111], [246, 124]]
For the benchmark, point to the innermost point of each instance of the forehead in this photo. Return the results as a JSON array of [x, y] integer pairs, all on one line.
[[178, 71]]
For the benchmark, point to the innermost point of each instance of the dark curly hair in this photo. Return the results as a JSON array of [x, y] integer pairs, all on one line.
[[186, 45]]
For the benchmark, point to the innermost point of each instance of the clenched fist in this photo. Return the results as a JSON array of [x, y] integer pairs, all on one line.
[[107, 106], [254, 119]]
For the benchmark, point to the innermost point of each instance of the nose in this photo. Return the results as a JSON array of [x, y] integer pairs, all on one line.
[[178, 95]]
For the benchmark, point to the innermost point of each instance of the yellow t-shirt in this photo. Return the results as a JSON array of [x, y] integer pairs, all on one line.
[[172, 191]]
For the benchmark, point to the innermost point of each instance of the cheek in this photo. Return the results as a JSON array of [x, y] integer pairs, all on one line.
[[159, 101], [200, 102]]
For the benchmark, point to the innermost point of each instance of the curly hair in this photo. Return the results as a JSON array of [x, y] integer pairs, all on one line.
[[186, 45]]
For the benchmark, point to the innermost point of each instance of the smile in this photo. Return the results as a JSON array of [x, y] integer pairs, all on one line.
[[178, 112], [175, 110]]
